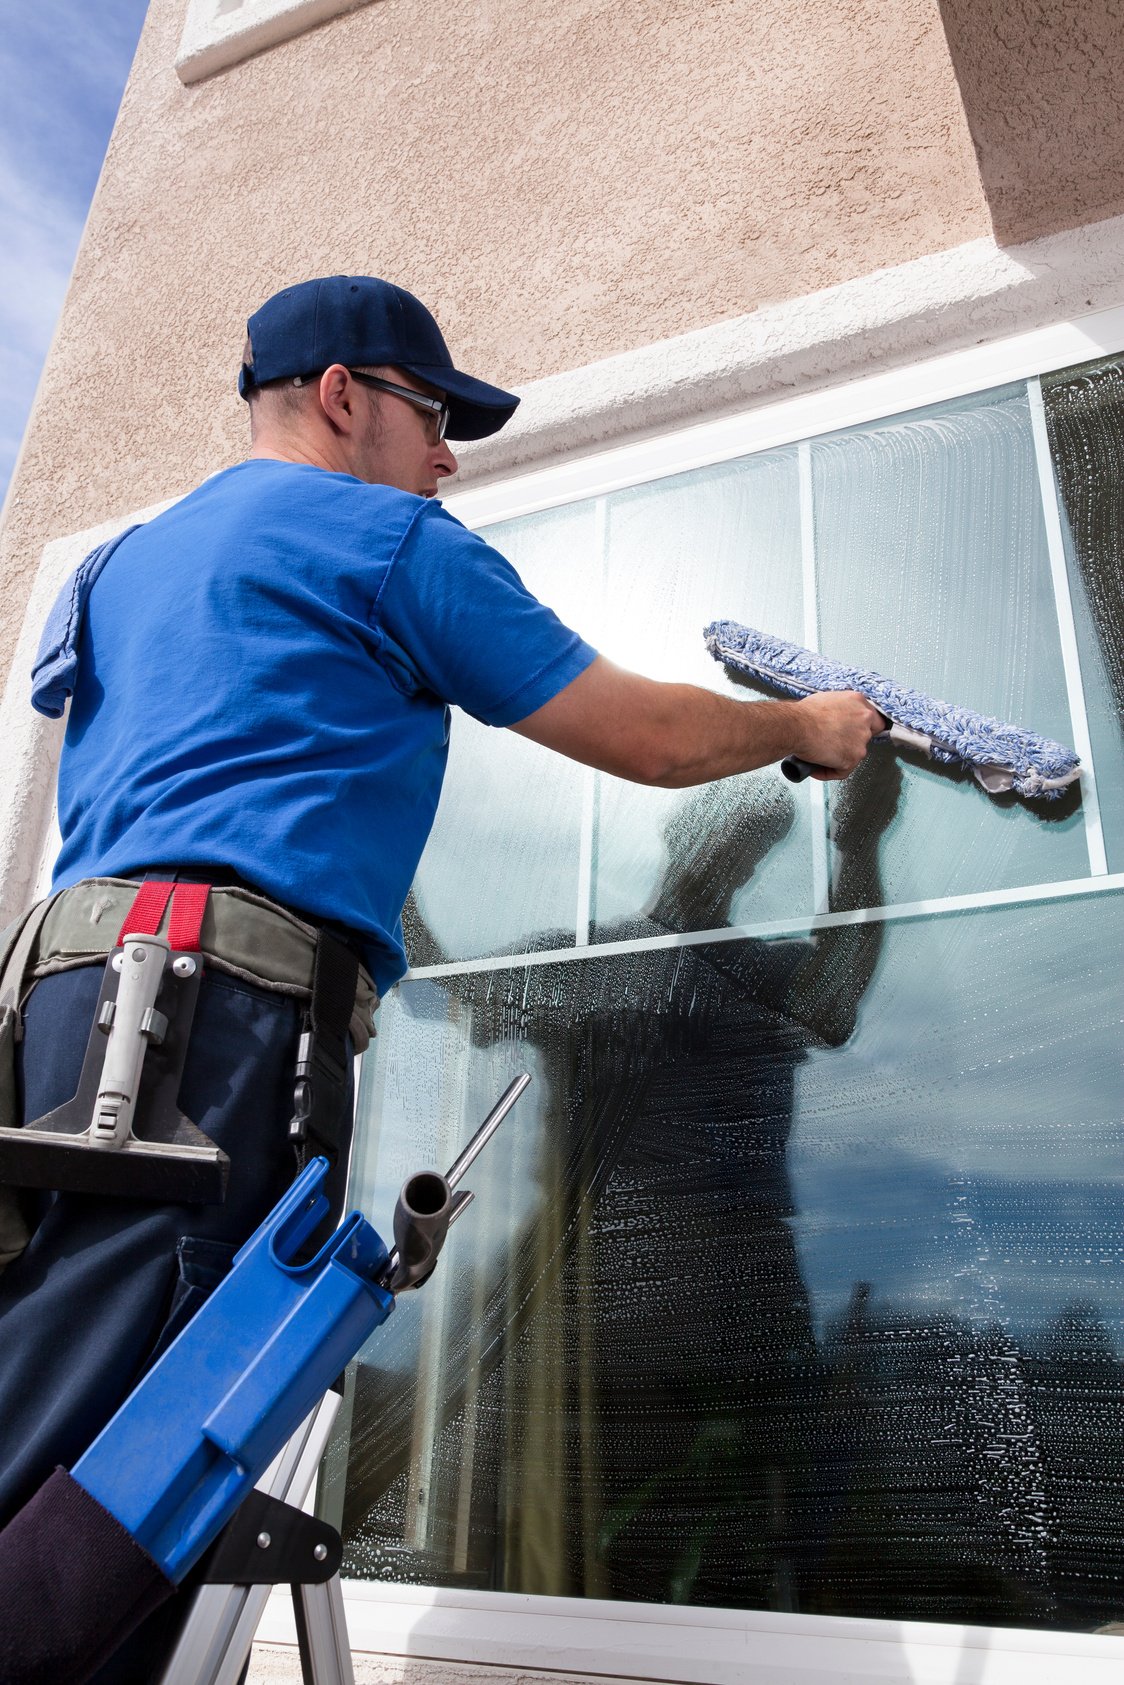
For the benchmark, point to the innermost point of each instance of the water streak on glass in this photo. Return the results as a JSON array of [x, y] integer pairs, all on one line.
[[500, 871], [1085, 420], [719, 543], [933, 569]]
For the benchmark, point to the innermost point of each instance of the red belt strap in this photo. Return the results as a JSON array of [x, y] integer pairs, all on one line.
[[188, 903], [143, 917]]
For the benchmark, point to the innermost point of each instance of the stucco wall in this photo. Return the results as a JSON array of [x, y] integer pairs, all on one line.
[[1040, 80], [561, 183]]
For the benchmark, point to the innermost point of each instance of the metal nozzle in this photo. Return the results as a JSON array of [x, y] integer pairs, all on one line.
[[421, 1222], [427, 1204]]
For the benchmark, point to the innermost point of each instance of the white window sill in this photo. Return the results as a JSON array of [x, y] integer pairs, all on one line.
[[701, 1646], [219, 33]]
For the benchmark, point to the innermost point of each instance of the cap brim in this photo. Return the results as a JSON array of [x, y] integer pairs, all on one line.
[[475, 408]]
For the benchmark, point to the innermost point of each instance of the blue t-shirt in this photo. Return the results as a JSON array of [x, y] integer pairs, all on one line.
[[262, 680]]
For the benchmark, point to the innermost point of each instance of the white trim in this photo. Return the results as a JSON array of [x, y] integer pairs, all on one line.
[[792, 420], [772, 929], [541, 1635], [219, 33], [1067, 631], [962, 300]]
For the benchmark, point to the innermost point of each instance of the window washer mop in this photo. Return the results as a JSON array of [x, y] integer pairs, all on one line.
[[1000, 756]]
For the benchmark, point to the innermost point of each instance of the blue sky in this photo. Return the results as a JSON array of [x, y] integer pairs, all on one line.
[[63, 66]]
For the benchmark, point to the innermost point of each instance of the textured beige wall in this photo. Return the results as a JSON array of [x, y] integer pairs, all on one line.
[[1041, 81], [559, 182]]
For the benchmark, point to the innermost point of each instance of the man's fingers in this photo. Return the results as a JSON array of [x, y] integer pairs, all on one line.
[[843, 724]]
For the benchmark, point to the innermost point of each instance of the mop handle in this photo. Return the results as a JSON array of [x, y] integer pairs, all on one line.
[[796, 770]]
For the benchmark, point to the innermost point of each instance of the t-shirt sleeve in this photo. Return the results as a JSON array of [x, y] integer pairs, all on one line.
[[454, 618]]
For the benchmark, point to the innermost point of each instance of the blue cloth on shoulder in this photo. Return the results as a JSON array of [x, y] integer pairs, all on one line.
[[56, 664]]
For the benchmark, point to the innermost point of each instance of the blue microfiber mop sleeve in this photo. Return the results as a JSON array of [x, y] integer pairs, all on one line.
[[1001, 756]]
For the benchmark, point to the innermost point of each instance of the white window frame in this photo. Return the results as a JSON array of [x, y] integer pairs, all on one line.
[[626, 1640], [541, 1637], [219, 33]]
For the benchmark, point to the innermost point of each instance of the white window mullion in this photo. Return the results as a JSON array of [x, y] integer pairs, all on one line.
[[1063, 603], [779, 929], [817, 796], [585, 858], [584, 910]]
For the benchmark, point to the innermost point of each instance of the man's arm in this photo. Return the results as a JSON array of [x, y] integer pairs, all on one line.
[[675, 735]]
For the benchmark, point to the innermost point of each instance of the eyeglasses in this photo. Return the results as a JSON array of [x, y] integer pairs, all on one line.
[[436, 407]]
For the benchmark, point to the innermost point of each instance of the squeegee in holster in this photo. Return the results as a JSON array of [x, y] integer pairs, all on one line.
[[123, 1133]]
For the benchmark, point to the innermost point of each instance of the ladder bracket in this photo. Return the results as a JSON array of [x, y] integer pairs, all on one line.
[[300, 1549]]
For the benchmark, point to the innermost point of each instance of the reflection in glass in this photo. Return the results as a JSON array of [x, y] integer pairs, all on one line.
[[799, 1285], [1085, 418], [500, 870], [932, 567], [718, 543]]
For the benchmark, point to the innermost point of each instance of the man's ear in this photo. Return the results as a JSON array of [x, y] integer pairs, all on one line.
[[336, 398]]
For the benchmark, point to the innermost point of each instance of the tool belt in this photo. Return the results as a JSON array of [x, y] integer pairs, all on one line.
[[242, 934], [232, 930]]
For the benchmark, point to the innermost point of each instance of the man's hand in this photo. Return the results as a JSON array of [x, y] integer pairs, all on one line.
[[676, 735], [839, 725]]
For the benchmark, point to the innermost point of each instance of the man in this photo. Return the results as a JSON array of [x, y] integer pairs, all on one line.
[[260, 683]]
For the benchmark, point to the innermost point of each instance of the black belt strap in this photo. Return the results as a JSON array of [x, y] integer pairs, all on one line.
[[319, 1119]]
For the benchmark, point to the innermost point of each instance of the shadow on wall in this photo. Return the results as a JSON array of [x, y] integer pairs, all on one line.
[[1040, 83]]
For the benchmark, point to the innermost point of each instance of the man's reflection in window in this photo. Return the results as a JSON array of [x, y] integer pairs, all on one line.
[[659, 1365]]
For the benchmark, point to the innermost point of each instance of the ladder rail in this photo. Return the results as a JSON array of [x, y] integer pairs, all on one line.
[[217, 1636]]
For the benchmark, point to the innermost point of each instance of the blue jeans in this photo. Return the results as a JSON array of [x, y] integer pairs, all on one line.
[[105, 1283]]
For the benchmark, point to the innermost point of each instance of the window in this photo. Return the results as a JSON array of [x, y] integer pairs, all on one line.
[[219, 33], [797, 1285]]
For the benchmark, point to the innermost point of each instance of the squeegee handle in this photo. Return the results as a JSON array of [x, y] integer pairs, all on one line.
[[796, 770]]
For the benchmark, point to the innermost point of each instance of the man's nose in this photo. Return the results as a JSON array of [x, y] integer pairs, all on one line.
[[444, 461]]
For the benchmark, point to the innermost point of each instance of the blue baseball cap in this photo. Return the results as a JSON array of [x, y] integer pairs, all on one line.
[[362, 322]]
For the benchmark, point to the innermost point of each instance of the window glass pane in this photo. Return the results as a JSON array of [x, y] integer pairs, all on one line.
[[1085, 417], [932, 568], [720, 543], [500, 870], [798, 1279], [797, 1283]]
